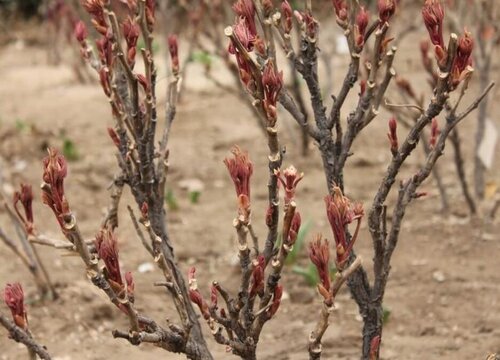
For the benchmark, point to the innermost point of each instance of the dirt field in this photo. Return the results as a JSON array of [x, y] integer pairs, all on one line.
[[444, 289]]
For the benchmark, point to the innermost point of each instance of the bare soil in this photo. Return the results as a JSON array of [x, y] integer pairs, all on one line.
[[444, 289]]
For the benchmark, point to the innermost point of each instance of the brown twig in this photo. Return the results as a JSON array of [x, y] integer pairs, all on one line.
[[315, 348], [24, 337]]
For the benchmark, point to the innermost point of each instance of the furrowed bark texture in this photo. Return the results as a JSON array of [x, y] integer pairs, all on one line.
[[24, 337], [198, 348]]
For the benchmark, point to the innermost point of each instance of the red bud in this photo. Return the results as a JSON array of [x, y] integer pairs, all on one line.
[[80, 31], [25, 196], [386, 8], [433, 15], [14, 299], [114, 137], [434, 133], [393, 135], [278, 293], [287, 13], [173, 49]]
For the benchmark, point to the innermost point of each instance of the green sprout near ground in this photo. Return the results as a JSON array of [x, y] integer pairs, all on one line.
[[69, 150], [21, 125], [386, 315], [142, 45], [171, 200], [310, 274], [201, 57], [194, 196]]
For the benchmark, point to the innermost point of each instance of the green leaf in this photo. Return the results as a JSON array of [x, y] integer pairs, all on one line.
[[21, 125], [386, 313], [333, 271], [309, 273], [171, 200], [69, 150], [142, 45], [194, 196], [202, 57]]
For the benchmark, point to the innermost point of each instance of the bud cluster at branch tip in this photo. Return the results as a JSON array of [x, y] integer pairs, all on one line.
[[14, 299], [240, 169], [308, 24], [54, 171], [319, 253], [462, 66], [340, 213], [433, 15], [386, 9], [131, 34], [340, 7], [195, 295], [106, 244], [245, 9], [289, 178], [173, 49], [287, 14], [278, 293], [461, 70], [81, 32], [257, 284], [243, 35], [272, 81], [362, 19], [96, 10], [25, 197]]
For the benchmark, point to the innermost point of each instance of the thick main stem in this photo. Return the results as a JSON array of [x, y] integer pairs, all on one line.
[[199, 346], [358, 282], [372, 327]]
